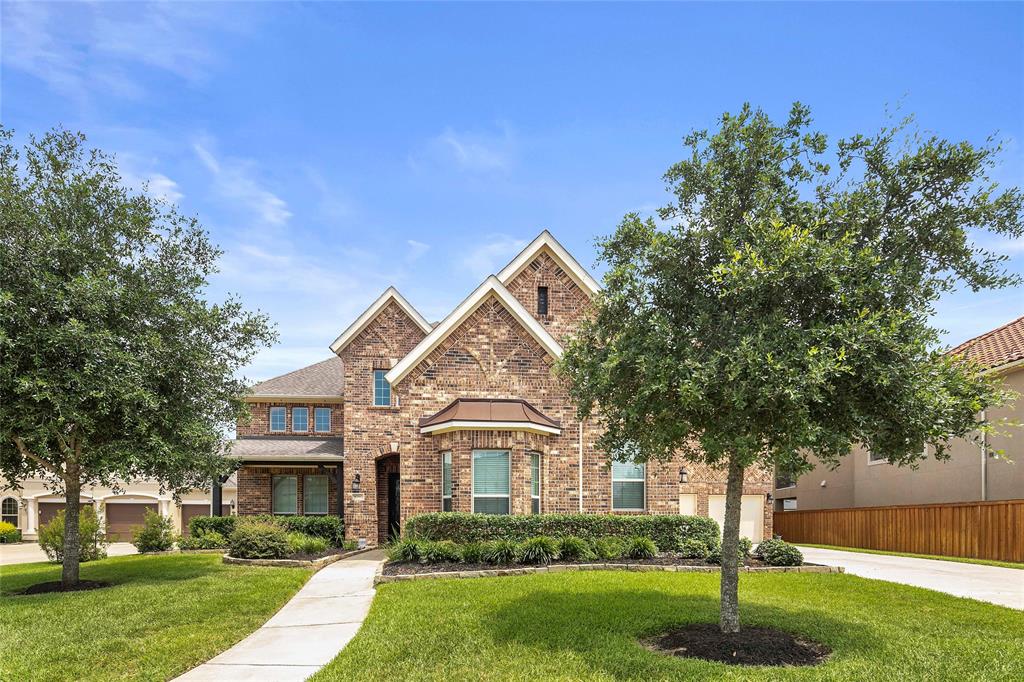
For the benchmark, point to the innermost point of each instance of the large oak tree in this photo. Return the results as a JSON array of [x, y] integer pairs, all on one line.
[[785, 311], [113, 365]]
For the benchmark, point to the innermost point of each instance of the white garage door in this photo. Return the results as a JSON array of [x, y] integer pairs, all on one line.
[[688, 505], [751, 514]]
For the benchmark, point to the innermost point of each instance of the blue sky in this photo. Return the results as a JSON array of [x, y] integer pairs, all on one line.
[[334, 149]]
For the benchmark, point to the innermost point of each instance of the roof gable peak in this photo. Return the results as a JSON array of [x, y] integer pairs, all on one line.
[[545, 242], [364, 320]]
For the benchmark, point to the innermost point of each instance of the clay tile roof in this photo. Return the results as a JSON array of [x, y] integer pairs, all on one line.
[[325, 378], [480, 412], [995, 348], [283, 449]]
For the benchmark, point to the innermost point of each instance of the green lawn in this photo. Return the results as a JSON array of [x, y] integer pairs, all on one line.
[[584, 626], [961, 560], [163, 615]]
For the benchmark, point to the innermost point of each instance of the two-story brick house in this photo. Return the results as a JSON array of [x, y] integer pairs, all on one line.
[[464, 415]]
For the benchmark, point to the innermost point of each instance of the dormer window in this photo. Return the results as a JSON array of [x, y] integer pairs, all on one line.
[[542, 300]]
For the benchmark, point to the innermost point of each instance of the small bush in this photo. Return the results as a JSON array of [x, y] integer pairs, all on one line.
[[609, 548], [93, 543], [300, 543], [746, 544], [779, 553], [440, 552], [694, 549], [573, 548], [473, 552], [641, 548], [9, 532], [211, 540], [500, 552], [225, 525], [539, 550], [258, 540], [349, 545], [714, 556], [403, 551], [330, 528], [156, 533]]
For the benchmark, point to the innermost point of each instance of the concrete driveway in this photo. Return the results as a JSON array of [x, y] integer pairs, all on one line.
[[1003, 586], [29, 552]]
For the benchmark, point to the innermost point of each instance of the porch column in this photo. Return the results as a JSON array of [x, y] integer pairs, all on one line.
[[216, 506], [31, 513], [339, 488]]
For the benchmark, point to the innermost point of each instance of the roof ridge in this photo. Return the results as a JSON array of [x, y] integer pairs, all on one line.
[[984, 335], [295, 371]]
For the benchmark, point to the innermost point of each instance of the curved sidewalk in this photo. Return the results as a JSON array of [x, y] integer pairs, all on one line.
[[306, 633]]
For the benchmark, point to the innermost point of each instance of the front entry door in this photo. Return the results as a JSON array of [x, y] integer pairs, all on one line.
[[394, 506]]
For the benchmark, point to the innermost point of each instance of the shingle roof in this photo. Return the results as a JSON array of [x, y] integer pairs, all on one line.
[[283, 449], [326, 378], [995, 348]]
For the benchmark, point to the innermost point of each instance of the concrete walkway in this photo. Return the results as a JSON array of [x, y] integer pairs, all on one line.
[[29, 552], [1003, 586], [306, 633]]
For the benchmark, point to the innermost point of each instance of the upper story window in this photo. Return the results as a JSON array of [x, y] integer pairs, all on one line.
[[628, 486], [278, 418], [446, 481], [381, 388], [9, 511], [322, 419], [542, 300], [300, 419]]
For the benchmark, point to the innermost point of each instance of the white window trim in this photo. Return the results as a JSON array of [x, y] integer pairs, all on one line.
[[472, 479], [17, 510], [628, 480], [540, 481], [451, 472], [270, 419], [373, 388], [330, 418], [294, 430], [874, 462]]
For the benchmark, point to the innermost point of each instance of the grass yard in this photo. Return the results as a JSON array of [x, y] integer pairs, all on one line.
[[958, 559], [163, 615], [583, 626]]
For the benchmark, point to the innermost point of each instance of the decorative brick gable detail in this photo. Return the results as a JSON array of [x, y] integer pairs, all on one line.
[[567, 302]]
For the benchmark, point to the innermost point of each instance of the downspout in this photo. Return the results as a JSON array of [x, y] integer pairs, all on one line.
[[984, 461], [581, 464]]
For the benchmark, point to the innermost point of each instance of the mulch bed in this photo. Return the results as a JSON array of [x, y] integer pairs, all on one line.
[[57, 586], [749, 646], [392, 568]]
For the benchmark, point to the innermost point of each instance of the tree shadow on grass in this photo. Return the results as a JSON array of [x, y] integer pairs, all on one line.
[[603, 628]]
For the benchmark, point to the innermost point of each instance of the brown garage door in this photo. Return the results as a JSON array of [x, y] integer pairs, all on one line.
[[188, 510], [124, 518], [47, 510]]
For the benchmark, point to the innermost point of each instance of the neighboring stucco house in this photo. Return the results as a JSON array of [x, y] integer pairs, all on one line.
[[464, 415], [973, 472]]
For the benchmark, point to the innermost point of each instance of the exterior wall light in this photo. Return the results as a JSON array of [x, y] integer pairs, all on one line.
[[684, 475], [356, 482]]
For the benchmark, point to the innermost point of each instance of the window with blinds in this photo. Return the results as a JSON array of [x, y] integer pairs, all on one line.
[[535, 482], [284, 492], [628, 481], [490, 481], [446, 481], [314, 494]]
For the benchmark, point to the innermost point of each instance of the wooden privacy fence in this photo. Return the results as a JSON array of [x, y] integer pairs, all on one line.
[[979, 530]]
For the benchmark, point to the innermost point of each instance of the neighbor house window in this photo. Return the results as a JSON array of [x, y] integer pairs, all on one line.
[[875, 457], [446, 481], [535, 482], [784, 479], [322, 416], [300, 419], [9, 511], [314, 494], [490, 481], [381, 388], [628, 486], [542, 300], [277, 419], [285, 495]]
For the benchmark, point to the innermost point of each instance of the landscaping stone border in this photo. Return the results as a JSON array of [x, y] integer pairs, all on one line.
[[562, 568], [297, 563]]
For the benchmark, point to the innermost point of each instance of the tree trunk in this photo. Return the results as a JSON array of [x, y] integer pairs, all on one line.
[[729, 615], [72, 536]]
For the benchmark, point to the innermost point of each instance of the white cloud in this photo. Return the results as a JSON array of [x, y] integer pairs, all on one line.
[[416, 249], [495, 253], [470, 151], [234, 180]]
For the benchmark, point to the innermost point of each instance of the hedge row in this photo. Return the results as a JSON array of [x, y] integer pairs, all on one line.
[[330, 528], [668, 531]]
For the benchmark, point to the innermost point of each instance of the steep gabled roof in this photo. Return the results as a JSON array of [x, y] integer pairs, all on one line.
[[546, 242], [324, 380], [391, 294], [490, 286], [995, 348]]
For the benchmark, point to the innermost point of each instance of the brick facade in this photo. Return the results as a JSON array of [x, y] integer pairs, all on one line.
[[489, 355], [254, 487]]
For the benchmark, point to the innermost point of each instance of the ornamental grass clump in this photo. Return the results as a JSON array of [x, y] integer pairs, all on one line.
[[473, 552], [641, 548], [573, 548], [501, 552], [301, 543], [440, 552], [609, 548], [403, 551], [539, 550]]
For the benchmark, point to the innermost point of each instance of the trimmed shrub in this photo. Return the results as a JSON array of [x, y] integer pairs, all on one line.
[[500, 552], [714, 555], [779, 553], [668, 531], [609, 548], [258, 540], [403, 551], [330, 528], [473, 552], [440, 552], [156, 533], [200, 525], [300, 543], [93, 541], [694, 549], [641, 548], [539, 550], [9, 532], [211, 540], [573, 548], [746, 544]]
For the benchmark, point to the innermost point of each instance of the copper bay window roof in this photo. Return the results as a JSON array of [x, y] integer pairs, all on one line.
[[491, 414]]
